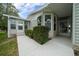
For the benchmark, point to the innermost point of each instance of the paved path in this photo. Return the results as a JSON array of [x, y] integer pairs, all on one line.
[[58, 46]]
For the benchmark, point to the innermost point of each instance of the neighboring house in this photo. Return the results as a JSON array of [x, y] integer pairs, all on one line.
[[15, 25], [60, 18]]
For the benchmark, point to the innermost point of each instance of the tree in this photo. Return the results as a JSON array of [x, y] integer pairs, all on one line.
[[11, 10], [3, 23], [1, 10], [8, 9]]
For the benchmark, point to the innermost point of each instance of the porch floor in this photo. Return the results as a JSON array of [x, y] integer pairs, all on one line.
[[58, 46]]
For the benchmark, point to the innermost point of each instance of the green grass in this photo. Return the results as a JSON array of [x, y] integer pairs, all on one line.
[[9, 49], [3, 36]]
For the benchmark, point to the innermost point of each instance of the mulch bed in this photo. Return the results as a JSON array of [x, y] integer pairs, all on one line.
[[76, 50]]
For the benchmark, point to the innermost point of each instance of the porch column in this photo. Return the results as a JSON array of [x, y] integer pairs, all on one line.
[[43, 19], [52, 26]]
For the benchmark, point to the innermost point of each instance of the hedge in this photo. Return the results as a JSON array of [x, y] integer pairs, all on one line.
[[40, 34]]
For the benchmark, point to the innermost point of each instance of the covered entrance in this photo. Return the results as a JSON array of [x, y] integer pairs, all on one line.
[[58, 18], [64, 27]]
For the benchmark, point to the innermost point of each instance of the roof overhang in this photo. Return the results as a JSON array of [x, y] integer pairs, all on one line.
[[60, 9], [14, 17]]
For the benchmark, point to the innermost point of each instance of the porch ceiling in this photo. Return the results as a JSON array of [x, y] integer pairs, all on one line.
[[61, 9]]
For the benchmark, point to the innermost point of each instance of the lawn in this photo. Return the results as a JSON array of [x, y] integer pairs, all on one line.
[[3, 37], [9, 49]]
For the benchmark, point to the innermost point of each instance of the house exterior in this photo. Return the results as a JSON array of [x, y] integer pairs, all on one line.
[[61, 18], [51, 15]]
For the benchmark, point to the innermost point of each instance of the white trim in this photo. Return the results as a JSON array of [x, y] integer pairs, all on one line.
[[73, 25], [8, 27], [12, 16]]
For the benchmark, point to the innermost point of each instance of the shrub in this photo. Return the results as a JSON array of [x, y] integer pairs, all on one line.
[[40, 34], [29, 33]]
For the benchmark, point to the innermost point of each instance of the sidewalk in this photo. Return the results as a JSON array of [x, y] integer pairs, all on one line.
[[56, 47]]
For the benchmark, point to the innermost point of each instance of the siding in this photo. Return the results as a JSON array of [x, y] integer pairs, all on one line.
[[76, 24]]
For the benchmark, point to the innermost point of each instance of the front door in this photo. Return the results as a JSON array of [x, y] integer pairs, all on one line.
[[20, 28]]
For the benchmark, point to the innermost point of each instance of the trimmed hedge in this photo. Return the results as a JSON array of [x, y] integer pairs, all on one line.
[[40, 34], [29, 33]]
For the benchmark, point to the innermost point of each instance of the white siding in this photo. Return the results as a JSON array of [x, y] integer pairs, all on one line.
[[33, 24], [76, 24], [33, 19]]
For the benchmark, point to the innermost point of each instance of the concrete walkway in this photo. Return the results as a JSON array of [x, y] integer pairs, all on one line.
[[58, 46]]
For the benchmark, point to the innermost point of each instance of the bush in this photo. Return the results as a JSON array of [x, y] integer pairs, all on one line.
[[29, 33], [40, 34]]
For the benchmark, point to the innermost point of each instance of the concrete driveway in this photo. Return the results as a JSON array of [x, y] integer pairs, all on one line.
[[59, 46]]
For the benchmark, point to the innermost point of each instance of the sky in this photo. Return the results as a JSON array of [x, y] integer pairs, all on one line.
[[26, 8]]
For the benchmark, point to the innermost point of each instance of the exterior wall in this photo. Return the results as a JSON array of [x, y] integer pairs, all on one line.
[[33, 19], [33, 24], [75, 24], [13, 32]]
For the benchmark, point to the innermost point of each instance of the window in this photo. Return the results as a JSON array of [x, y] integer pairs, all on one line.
[[13, 26], [20, 27], [48, 21], [39, 20]]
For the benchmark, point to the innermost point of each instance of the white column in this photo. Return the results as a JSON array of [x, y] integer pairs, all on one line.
[[73, 25], [56, 25], [52, 22], [23, 28], [8, 29], [43, 19], [52, 26], [16, 26]]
